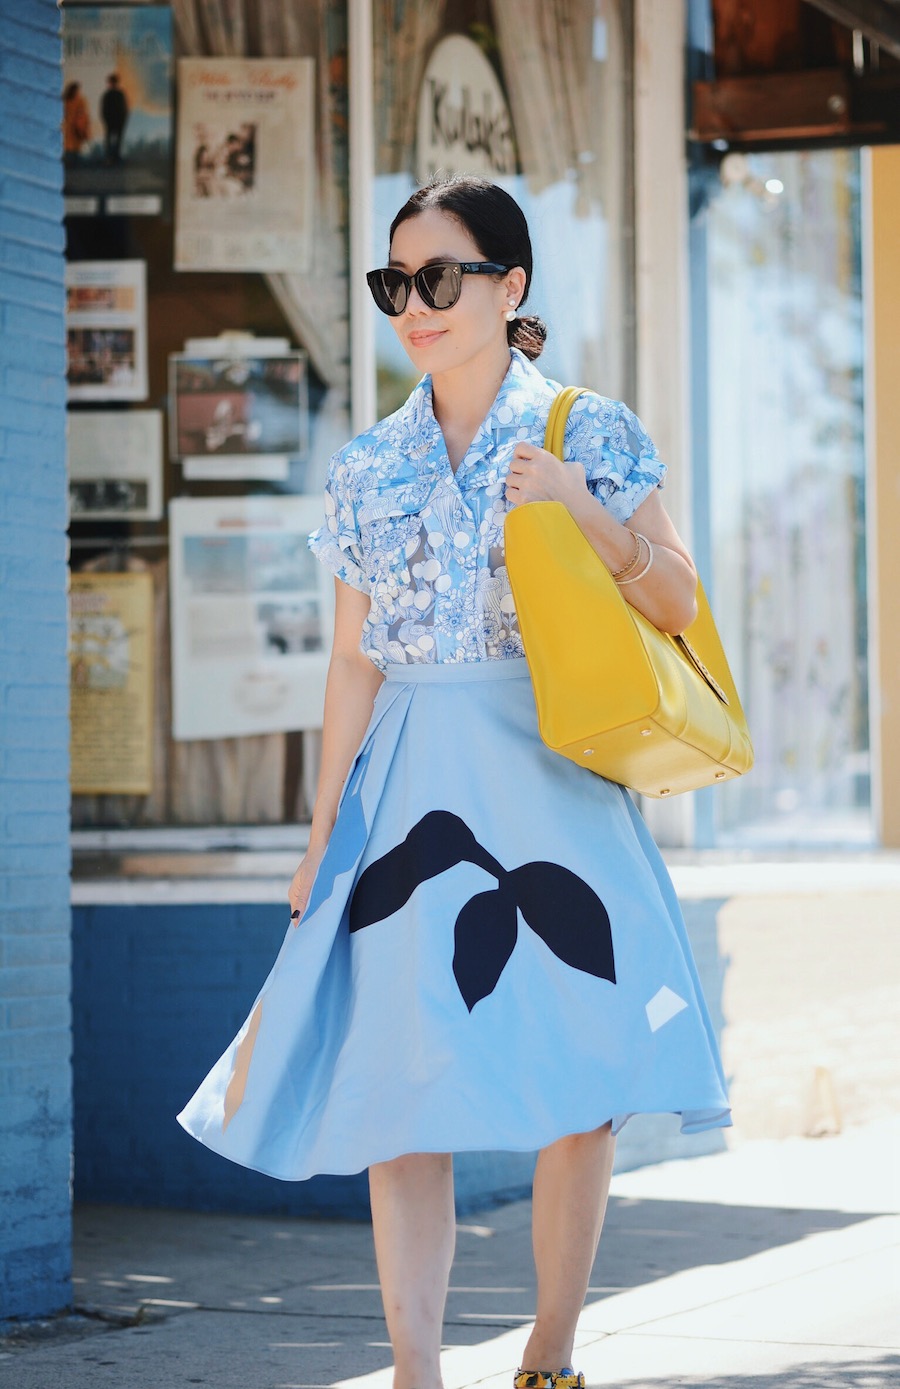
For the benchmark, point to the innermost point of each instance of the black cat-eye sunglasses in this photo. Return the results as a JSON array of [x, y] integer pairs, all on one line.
[[439, 285]]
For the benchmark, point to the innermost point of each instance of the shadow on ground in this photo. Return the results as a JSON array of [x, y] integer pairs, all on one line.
[[227, 1300], [880, 1373]]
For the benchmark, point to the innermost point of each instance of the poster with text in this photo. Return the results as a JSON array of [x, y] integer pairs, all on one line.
[[106, 329], [250, 616], [245, 179], [111, 673], [115, 465], [117, 107]]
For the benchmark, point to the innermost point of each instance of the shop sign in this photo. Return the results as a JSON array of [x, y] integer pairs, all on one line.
[[464, 122]]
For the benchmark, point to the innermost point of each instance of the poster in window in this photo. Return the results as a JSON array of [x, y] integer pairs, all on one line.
[[238, 415], [115, 465], [250, 616], [111, 673], [245, 169], [106, 329], [117, 107]]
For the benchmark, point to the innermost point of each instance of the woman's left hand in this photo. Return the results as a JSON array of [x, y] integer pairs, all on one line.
[[538, 476]]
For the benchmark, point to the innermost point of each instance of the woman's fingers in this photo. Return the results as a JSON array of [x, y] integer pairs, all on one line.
[[298, 893]]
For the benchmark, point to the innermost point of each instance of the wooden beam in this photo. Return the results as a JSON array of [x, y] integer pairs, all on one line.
[[779, 105], [879, 20], [827, 105]]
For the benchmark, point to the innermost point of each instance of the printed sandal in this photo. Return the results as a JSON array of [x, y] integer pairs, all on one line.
[[566, 1378]]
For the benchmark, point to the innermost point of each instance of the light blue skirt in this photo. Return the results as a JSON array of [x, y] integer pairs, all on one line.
[[492, 956]]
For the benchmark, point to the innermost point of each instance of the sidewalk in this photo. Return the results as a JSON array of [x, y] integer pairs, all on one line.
[[776, 1263]]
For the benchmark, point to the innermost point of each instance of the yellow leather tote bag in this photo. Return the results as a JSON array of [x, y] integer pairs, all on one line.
[[660, 714]]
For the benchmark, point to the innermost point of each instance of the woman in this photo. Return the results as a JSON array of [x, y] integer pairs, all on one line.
[[489, 952], [76, 122]]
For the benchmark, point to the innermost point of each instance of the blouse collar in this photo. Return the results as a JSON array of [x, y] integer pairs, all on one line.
[[524, 397]]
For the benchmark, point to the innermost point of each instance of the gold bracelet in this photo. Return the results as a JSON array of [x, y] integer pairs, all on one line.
[[635, 558], [647, 567]]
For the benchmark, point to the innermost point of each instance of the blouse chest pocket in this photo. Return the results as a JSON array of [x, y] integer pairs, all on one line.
[[390, 524]]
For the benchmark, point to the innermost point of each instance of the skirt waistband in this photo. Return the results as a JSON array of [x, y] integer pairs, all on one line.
[[514, 668]]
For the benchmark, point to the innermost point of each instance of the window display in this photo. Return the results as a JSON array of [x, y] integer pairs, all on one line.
[[106, 330], [250, 614], [111, 658], [239, 415], [115, 465], [246, 150], [117, 108], [206, 470]]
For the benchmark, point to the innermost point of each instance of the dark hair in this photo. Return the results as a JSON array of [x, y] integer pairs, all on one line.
[[497, 225]]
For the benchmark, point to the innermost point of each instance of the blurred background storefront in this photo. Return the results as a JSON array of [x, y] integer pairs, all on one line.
[[713, 191], [723, 294]]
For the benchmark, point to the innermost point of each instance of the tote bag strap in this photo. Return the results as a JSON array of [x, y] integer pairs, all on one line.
[[702, 635], [555, 434]]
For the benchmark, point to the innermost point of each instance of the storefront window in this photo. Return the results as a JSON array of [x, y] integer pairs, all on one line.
[[199, 623], [208, 204], [535, 95], [787, 491]]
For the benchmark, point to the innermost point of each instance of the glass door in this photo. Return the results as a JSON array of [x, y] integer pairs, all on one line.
[[786, 492]]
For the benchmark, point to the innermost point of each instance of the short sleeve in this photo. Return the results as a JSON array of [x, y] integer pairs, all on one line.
[[336, 542], [621, 462]]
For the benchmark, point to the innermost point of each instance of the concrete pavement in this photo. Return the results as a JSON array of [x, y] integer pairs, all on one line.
[[775, 1263]]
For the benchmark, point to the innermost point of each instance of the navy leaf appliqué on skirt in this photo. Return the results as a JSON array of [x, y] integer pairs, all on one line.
[[554, 902]]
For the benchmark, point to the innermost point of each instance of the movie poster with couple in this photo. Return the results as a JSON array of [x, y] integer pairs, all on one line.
[[117, 108], [245, 182]]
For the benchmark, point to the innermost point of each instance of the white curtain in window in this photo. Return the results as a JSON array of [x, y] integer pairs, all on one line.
[[553, 53], [233, 780], [314, 303], [407, 31]]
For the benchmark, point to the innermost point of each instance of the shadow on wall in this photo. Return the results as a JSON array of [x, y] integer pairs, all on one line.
[[159, 992]]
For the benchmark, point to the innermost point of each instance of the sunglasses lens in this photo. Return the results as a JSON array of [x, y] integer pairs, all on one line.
[[390, 290], [439, 285]]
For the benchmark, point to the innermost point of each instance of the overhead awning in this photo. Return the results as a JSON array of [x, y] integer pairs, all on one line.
[[794, 73], [878, 20]]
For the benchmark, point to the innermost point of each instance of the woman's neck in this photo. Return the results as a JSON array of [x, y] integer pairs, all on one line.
[[462, 397]]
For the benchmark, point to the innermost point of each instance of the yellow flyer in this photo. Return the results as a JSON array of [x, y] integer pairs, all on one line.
[[111, 663]]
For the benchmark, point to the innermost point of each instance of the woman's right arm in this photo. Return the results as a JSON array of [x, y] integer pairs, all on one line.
[[353, 682]]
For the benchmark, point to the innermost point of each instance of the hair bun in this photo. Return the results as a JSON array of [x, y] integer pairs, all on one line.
[[528, 334]]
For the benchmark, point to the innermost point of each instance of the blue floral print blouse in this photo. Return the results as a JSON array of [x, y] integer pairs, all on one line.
[[427, 544]]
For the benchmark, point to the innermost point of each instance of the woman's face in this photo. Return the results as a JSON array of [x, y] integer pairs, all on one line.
[[438, 340]]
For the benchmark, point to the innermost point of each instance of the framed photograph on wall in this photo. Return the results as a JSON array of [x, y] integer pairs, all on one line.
[[250, 616], [239, 415], [245, 166], [106, 329], [115, 465]]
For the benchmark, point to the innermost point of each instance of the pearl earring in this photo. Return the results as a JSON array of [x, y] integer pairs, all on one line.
[[511, 313]]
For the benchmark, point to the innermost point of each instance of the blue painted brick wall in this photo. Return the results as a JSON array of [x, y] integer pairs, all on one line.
[[35, 1027], [158, 993]]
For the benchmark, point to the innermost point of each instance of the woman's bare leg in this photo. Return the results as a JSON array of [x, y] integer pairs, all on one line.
[[414, 1224], [571, 1185]]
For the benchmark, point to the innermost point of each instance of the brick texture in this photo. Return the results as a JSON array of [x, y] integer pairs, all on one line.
[[159, 993], [160, 990], [35, 925]]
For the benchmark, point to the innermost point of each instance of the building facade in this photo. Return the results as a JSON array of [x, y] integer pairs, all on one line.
[[220, 344]]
